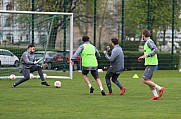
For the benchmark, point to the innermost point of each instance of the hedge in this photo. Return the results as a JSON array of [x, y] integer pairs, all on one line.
[[131, 63]]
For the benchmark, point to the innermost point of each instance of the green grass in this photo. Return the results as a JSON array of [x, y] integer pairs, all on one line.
[[72, 101]]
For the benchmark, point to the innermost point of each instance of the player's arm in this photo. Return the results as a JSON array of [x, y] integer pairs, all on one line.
[[77, 53], [113, 56], [97, 53], [153, 48], [25, 59], [107, 51]]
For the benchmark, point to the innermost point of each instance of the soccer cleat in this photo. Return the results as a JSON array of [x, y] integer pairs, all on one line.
[[103, 93], [154, 98], [122, 91], [109, 93], [91, 90], [161, 92], [13, 86], [45, 83]]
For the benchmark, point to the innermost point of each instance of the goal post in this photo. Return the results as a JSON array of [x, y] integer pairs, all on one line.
[[19, 28]]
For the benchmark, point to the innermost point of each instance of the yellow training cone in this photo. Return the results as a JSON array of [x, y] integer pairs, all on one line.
[[136, 76]]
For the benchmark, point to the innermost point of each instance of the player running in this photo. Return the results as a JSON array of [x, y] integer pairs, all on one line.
[[151, 60], [89, 53]]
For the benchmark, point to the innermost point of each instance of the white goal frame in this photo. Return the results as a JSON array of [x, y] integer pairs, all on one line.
[[71, 38]]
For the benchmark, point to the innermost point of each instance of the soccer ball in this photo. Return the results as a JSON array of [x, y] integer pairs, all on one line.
[[12, 77], [57, 84], [31, 76], [180, 70]]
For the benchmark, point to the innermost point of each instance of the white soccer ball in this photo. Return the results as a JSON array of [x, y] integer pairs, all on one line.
[[180, 70], [12, 77], [31, 76], [57, 84]]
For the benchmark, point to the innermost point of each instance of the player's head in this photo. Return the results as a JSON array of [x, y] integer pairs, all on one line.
[[85, 38], [31, 48], [145, 33], [115, 41]]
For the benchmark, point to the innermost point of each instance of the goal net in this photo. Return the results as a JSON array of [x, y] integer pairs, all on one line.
[[50, 32]]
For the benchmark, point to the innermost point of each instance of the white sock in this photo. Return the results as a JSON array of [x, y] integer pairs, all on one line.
[[101, 88], [158, 87], [89, 85], [155, 93]]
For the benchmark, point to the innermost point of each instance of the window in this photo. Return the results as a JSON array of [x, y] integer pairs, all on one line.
[[8, 22], [1, 52], [7, 53]]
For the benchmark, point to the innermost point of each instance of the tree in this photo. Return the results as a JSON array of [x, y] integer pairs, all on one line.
[[50, 6], [83, 16], [160, 15], [102, 14]]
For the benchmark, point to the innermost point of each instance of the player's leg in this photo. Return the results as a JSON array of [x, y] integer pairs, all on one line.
[[108, 76], [40, 72], [87, 80], [26, 74], [117, 82], [154, 86], [147, 80], [96, 77]]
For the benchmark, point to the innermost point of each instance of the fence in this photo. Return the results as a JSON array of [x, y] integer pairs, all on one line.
[[101, 20]]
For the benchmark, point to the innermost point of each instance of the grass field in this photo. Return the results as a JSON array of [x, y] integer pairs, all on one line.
[[73, 101]]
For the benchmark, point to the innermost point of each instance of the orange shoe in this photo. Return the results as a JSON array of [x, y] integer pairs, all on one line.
[[122, 91], [109, 93], [154, 98], [161, 92]]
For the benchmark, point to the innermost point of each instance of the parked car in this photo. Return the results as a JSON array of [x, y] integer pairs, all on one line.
[[7, 58], [55, 60], [77, 61], [49, 57]]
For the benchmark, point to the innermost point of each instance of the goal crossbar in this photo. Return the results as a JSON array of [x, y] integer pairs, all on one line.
[[34, 12]]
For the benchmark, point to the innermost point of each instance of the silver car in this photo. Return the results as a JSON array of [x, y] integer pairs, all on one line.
[[7, 58], [48, 57]]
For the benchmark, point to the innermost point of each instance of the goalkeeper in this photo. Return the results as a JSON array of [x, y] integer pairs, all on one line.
[[29, 65]]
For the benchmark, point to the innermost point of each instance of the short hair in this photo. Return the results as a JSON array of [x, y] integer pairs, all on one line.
[[85, 38], [146, 33], [115, 41], [30, 46]]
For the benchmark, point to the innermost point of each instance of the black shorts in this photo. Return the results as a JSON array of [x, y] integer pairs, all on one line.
[[93, 72]]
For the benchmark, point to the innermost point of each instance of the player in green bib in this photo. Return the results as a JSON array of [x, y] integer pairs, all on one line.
[[89, 55], [151, 60]]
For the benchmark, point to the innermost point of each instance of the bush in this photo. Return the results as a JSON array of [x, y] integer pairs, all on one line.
[[131, 45], [131, 63]]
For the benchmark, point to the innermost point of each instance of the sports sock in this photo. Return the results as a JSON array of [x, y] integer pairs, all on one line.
[[158, 87], [155, 93], [89, 85], [101, 88]]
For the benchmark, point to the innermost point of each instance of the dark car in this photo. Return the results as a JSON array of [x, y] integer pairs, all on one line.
[[49, 58], [66, 61], [55, 60]]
